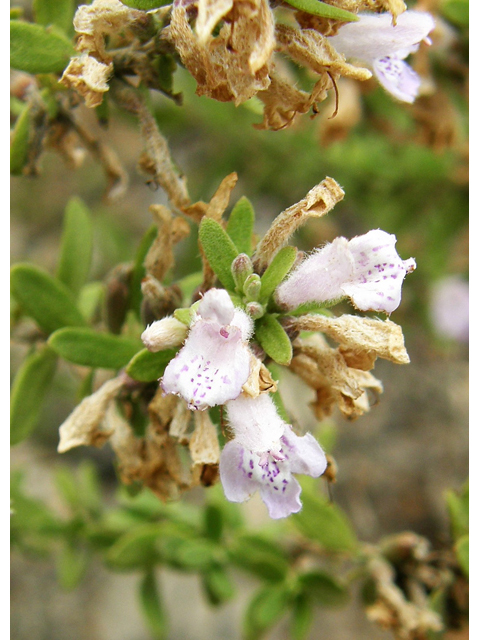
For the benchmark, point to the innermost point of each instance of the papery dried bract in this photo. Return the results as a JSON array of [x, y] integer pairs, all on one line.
[[89, 77]]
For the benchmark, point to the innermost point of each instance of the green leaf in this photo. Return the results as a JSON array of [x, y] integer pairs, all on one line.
[[139, 269], [461, 551], [277, 270], [323, 588], [219, 249], [240, 225], [302, 617], [456, 11], [57, 12], [266, 608], [76, 246], [458, 509], [90, 299], [71, 565], [190, 554], [146, 366], [273, 339], [325, 524], [135, 549], [213, 522], [217, 585], [260, 556], [145, 5], [44, 298], [36, 49], [92, 349], [28, 392], [19, 142], [151, 606], [323, 10]]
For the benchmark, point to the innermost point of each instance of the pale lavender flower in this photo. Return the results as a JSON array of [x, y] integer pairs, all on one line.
[[214, 362], [382, 46], [449, 308], [367, 269], [264, 454]]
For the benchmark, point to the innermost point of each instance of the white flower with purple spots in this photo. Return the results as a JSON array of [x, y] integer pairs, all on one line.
[[367, 269], [264, 454], [383, 46], [214, 362]]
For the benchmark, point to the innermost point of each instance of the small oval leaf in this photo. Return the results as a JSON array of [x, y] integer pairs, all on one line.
[[219, 250], [135, 549], [36, 49], [323, 588], [76, 246], [19, 142], [152, 607], [92, 349], [44, 298], [277, 270], [240, 225], [28, 392], [146, 366], [266, 608], [273, 339], [323, 10]]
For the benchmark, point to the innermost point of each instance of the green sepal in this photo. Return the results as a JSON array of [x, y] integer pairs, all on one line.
[[184, 315], [323, 588], [240, 225], [28, 392], [151, 605], [219, 250], [324, 523], [277, 270], [322, 10], [145, 5], [44, 298], [90, 348], [36, 49], [146, 366], [76, 246], [273, 339], [19, 141]]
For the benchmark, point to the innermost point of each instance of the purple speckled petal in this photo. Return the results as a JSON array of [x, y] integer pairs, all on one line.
[[282, 496], [211, 368], [304, 453], [398, 78], [379, 272], [236, 472]]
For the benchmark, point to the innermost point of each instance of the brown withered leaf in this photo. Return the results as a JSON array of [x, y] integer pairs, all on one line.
[[160, 259], [318, 202], [180, 424], [260, 379], [203, 445], [312, 50], [233, 66], [89, 77], [363, 338], [210, 12], [86, 424]]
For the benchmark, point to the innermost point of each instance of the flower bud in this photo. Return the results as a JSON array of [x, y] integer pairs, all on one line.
[[255, 310], [241, 268], [252, 287], [164, 334]]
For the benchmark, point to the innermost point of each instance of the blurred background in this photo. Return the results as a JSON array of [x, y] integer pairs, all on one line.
[[404, 169]]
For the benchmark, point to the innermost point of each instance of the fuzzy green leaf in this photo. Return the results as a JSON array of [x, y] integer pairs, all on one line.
[[28, 392], [92, 349], [152, 608], [266, 608], [324, 523], [219, 250], [273, 339], [323, 588], [323, 10], [145, 5], [77, 245], [57, 12], [36, 49], [277, 270], [146, 366], [19, 142], [260, 556], [44, 298], [240, 225], [135, 549], [217, 585]]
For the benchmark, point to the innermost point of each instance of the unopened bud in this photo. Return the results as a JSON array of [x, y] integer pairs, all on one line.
[[164, 334], [252, 287], [255, 310], [241, 268]]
